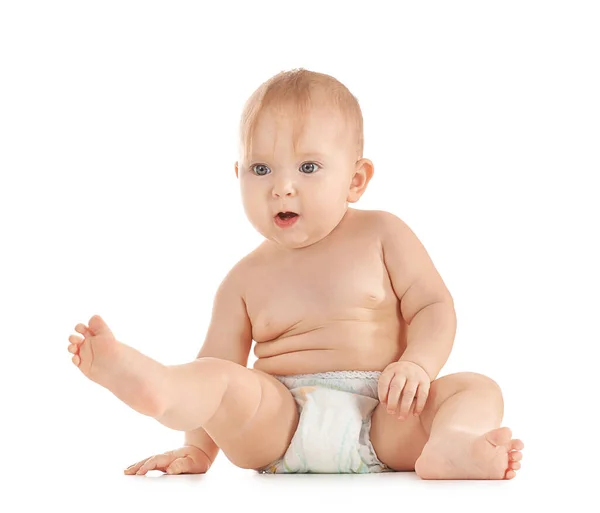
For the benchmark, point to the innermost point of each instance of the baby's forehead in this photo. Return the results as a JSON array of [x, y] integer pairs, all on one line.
[[317, 129], [317, 110], [303, 144], [310, 133]]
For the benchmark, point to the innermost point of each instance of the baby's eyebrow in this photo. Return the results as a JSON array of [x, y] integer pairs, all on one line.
[[302, 155]]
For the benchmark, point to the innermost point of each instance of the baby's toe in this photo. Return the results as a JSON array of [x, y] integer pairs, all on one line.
[[516, 445], [81, 328], [514, 465], [73, 349], [515, 456], [76, 360], [74, 339], [510, 474]]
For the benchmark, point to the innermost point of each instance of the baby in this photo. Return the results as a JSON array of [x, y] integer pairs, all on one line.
[[351, 319]]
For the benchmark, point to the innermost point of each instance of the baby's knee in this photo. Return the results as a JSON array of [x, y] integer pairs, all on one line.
[[240, 388], [219, 364], [464, 381], [480, 381]]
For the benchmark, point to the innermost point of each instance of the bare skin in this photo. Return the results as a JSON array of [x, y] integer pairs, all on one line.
[[337, 310], [337, 289]]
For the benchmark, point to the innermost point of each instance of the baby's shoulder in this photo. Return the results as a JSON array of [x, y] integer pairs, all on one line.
[[388, 228], [255, 262], [249, 262], [379, 221]]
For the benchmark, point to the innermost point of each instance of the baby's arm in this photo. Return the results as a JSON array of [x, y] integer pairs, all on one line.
[[229, 337], [199, 438], [425, 302]]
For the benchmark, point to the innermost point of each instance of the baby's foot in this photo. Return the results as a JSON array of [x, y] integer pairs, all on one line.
[[95, 352], [460, 455], [131, 376]]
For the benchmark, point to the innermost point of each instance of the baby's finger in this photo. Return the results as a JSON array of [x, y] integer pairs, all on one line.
[[394, 395], [410, 389], [150, 464], [180, 465], [422, 395], [132, 469], [158, 462], [383, 386]]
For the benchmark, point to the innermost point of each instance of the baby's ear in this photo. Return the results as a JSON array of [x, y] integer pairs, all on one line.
[[362, 176]]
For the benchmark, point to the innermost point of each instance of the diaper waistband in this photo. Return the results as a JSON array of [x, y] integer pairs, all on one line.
[[356, 382], [335, 375]]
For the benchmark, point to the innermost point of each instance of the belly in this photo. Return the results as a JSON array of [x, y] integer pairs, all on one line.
[[350, 345]]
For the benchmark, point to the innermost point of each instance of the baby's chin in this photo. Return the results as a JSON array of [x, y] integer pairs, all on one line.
[[291, 242], [301, 234], [298, 240], [289, 239]]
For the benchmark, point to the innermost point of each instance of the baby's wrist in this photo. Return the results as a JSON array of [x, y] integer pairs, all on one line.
[[202, 453], [410, 360]]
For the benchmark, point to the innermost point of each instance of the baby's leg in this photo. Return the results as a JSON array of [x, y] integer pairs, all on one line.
[[457, 435], [462, 416], [250, 415]]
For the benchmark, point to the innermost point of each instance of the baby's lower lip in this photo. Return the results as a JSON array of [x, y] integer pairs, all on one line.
[[286, 223]]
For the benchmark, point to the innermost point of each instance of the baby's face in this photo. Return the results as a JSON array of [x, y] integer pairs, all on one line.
[[313, 181]]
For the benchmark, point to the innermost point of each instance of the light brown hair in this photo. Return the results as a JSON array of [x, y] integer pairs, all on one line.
[[292, 90]]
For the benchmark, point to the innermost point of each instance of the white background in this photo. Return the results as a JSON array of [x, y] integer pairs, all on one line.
[[118, 125]]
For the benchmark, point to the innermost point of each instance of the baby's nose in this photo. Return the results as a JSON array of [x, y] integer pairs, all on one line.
[[284, 190], [286, 194]]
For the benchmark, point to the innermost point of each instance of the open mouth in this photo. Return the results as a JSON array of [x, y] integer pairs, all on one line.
[[286, 219], [286, 215]]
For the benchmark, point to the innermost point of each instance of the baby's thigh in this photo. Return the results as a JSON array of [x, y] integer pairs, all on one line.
[[397, 443], [266, 431]]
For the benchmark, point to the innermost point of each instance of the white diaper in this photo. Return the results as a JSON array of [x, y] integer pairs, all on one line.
[[335, 421]]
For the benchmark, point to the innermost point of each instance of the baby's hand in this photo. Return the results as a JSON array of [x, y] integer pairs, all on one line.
[[187, 460], [408, 376]]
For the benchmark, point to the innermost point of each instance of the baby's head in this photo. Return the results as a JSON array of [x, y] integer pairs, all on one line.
[[300, 150]]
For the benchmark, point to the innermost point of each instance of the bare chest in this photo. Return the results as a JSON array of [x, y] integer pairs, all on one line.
[[343, 283]]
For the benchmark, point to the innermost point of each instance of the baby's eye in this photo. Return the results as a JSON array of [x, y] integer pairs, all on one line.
[[258, 166], [304, 168]]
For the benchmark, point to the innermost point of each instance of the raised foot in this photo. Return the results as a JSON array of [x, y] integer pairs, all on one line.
[[461, 455], [133, 377], [97, 351]]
